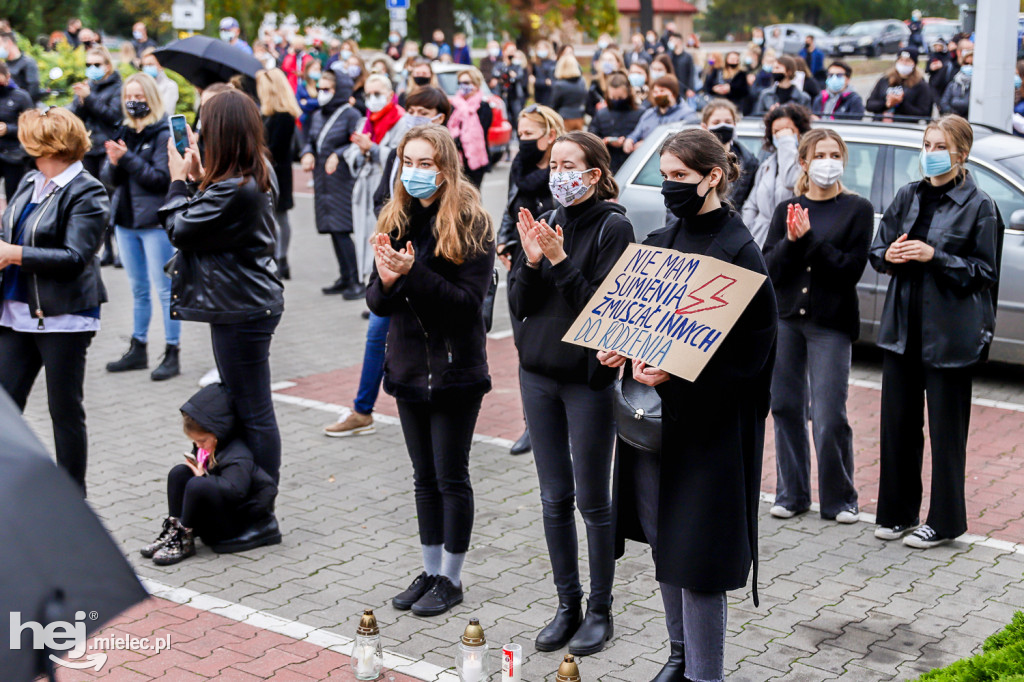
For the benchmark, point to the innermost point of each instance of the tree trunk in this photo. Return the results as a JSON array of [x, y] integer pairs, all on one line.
[[646, 16], [434, 14]]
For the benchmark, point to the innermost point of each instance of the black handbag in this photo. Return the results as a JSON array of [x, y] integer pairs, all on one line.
[[638, 414]]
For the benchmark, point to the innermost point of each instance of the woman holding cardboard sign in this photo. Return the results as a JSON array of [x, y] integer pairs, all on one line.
[[697, 505], [567, 394]]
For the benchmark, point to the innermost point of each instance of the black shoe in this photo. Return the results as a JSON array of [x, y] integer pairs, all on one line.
[[419, 587], [259, 534], [442, 596], [562, 627], [107, 259], [523, 445], [179, 547], [365, 314], [675, 669], [135, 358], [354, 292], [338, 287], [596, 630], [117, 263], [283, 271], [169, 366], [165, 535]]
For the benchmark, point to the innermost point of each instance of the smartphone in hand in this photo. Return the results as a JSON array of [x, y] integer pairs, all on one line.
[[179, 132]]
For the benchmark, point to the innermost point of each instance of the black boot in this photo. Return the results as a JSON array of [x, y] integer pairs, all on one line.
[[675, 668], [338, 287], [169, 366], [596, 630], [283, 271], [135, 358], [354, 292], [523, 445], [560, 630], [170, 523], [265, 532]]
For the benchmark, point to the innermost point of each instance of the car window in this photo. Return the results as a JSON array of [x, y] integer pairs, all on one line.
[[906, 167], [860, 168]]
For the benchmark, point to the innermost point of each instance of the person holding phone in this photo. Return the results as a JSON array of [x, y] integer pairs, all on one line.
[[136, 168]]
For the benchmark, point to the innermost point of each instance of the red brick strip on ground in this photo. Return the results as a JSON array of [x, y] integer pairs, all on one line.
[[205, 645], [995, 467]]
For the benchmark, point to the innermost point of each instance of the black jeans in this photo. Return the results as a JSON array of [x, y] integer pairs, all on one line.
[[905, 383], [439, 436], [345, 252], [572, 428], [242, 352], [12, 174], [22, 355], [197, 501]]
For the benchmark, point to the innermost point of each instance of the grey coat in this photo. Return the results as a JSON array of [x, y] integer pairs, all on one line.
[[769, 97], [773, 184]]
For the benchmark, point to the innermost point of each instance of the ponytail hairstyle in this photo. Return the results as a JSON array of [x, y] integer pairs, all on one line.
[[701, 151], [808, 144], [958, 134], [596, 155]]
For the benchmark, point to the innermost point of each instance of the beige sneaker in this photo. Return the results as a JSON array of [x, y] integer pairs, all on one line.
[[354, 424]]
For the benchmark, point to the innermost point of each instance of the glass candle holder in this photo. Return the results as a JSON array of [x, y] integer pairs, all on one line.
[[367, 659], [471, 656]]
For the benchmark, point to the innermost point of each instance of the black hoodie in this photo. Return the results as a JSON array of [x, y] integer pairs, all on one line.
[[548, 299], [242, 483]]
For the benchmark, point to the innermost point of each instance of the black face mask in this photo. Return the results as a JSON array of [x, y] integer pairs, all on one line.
[[682, 198], [618, 104], [724, 132], [137, 109], [733, 66], [421, 80], [778, 77], [529, 152]]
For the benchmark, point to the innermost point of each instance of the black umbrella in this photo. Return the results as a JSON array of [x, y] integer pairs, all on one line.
[[202, 60], [57, 562]]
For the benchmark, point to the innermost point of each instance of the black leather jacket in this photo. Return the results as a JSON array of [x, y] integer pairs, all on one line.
[[958, 297], [59, 267], [13, 101], [100, 111], [224, 272]]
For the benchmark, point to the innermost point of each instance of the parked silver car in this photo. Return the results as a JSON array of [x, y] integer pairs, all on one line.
[[883, 158], [789, 38]]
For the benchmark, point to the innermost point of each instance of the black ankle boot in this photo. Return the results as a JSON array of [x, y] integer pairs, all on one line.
[[135, 358], [523, 445], [675, 669], [563, 626], [169, 366], [596, 630]]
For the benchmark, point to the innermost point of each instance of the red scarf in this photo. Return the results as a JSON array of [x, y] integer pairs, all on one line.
[[378, 123]]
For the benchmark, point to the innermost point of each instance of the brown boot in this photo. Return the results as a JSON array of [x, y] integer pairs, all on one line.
[[353, 425], [165, 535]]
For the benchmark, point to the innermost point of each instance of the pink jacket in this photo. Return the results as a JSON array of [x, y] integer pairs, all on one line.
[[465, 126]]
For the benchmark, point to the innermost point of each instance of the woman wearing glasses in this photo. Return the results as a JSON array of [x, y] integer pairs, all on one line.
[[469, 124]]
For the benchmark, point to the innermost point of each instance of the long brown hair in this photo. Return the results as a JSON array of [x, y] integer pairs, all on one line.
[[233, 135], [462, 228], [596, 155], [808, 143], [701, 151]]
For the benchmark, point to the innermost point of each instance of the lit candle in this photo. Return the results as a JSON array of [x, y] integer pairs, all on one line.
[[364, 665], [472, 668]]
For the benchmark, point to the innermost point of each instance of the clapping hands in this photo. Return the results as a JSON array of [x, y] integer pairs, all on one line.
[[539, 239], [391, 264], [797, 222]]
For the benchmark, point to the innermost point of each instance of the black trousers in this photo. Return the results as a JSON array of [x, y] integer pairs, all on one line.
[[345, 252], [476, 176], [438, 437], [12, 174], [242, 352], [906, 383], [197, 501], [62, 354], [93, 165]]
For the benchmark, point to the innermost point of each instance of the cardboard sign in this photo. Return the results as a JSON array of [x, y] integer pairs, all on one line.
[[669, 309]]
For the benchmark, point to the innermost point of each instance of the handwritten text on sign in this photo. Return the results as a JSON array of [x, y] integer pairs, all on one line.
[[669, 309]]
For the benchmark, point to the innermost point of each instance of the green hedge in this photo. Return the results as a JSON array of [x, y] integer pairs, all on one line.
[[1002, 658]]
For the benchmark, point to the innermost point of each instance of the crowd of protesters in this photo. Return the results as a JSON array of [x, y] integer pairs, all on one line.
[[397, 165]]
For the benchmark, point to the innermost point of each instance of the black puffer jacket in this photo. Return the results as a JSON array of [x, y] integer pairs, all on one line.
[[244, 485], [141, 177], [436, 346], [224, 271], [527, 190], [13, 101], [101, 111], [58, 263]]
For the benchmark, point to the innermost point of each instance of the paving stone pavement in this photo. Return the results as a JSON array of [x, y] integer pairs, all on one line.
[[835, 602]]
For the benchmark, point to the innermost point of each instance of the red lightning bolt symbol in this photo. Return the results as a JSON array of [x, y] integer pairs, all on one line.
[[716, 297]]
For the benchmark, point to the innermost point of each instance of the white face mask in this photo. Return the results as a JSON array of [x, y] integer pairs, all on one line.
[[324, 98], [655, 75], [904, 69], [825, 172], [376, 102]]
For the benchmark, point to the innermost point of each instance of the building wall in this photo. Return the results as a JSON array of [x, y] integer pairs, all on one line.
[[630, 24]]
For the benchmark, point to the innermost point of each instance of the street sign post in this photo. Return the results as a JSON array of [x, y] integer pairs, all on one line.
[[189, 15], [398, 10]]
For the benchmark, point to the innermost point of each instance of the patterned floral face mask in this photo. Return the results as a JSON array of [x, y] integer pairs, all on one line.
[[567, 187]]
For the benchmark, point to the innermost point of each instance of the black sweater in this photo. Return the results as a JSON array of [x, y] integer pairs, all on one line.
[[615, 123], [548, 299], [816, 276]]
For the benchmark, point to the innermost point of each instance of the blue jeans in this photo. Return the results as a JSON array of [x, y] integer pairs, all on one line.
[[373, 363], [144, 253]]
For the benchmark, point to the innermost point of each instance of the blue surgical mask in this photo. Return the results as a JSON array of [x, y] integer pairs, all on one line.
[[95, 73], [1016, 82], [967, 70], [413, 121], [465, 89], [151, 71], [835, 83], [419, 183], [346, 54], [936, 163], [354, 70], [314, 76], [608, 68], [227, 36], [637, 80], [394, 40], [543, 54], [3, 53], [138, 35]]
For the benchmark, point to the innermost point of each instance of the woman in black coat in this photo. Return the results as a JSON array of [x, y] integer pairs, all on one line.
[[543, 72], [696, 501], [569, 92], [280, 111], [13, 159], [719, 118], [940, 242], [97, 102], [728, 82], [902, 91], [224, 273], [330, 132], [434, 256], [616, 121], [50, 285]]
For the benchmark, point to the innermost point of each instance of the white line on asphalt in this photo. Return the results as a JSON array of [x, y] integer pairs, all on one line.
[[497, 336], [980, 402], [419, 669]]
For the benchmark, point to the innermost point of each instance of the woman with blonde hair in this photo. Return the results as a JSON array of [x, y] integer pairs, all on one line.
[[136, 167], [50, 285], [816, 250], [434, 254], [279, 109], [569, 92], [471, 119]]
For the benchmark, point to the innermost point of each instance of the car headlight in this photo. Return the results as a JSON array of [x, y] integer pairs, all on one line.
[[865, 41]]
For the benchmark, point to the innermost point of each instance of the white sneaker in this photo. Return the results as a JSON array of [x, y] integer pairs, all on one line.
[[925, 537], [211, 377], [895, 532], [780, 512], [848, 516]]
